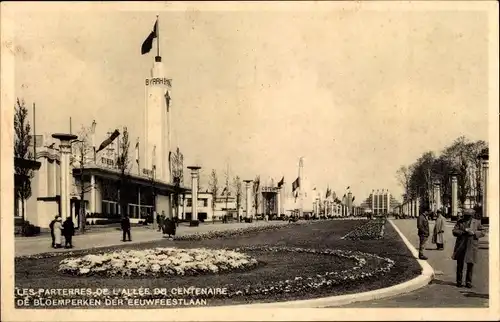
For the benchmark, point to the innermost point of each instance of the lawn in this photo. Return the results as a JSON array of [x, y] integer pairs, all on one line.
[[273, 265]]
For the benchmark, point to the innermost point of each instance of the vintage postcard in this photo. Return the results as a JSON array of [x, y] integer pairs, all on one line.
[[249, 161]]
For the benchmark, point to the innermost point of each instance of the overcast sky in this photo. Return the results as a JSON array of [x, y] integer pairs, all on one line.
[[357, 92]]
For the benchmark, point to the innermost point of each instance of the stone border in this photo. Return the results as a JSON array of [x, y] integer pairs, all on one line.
[[409, 286]]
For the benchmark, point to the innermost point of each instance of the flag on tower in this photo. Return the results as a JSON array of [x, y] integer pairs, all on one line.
[[224, 191], [148, 43], [328, 193], [281, 182], [296, 184], [347, 188], [353, 199], [108, 141]]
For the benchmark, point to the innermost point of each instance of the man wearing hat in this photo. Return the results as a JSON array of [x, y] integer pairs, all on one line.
[[423, 233], [468, 230]]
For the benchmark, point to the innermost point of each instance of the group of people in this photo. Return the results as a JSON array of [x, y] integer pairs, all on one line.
[[468, 230], [58, 229], [166, 224]]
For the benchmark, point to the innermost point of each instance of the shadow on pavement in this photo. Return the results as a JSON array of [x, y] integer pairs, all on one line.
[[441, 282], [474, 294]]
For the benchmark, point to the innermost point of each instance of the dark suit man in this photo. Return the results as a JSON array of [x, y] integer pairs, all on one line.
[[126, 228], [423, 233]]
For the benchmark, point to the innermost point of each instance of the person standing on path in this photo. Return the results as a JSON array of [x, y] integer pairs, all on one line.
[[51, 226], [68, 231], [423, 233], [126, 228], [468, 230], [438, 233], [58, 232]]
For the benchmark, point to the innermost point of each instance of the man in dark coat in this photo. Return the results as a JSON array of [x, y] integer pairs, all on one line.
[[68, 232], [126, 228], [423, 233], [51, 226], [468, 230]]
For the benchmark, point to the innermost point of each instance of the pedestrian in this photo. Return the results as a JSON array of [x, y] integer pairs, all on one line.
[[58, 232], [467, 230], [126, 228], [68, 231], [158, 220], [438, 233], [51, 226], [423, 233]]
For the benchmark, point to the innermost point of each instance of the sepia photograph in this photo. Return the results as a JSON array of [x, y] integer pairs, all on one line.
[[194, 160]]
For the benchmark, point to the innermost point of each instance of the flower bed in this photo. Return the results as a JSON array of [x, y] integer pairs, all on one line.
[[365, 266], [157, 262], [236, 232], [373, 229]]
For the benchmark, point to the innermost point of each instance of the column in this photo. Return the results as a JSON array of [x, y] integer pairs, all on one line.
[[484, 156], [454, 194], [417, 206], [484, 201], [194, 195], [412, 215], [184, 206], [248, 195], [92, 194], [278, 196], [65, 141], [437, 195], [373, 201]]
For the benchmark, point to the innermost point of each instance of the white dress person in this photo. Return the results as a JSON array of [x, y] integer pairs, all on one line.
[[58, 232]]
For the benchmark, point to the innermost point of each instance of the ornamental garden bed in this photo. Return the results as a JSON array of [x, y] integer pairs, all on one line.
[[293, 262]]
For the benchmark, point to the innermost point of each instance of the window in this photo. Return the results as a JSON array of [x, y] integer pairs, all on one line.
[[205, 202], [189, 202]]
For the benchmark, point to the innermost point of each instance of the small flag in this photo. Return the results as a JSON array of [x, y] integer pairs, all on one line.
[[296, 184], [148, 43], [347, 188], [328, 192], [167, 99], [93, 127], [109, 140], [353, 199], [137, 151], [281, 182], [224, 191]]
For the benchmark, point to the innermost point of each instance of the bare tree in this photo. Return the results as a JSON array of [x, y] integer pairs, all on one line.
[[227, 190], [403, 175], [238, 188], [123, 164], [22, 150], [83, 154], [214, 187], [177, 163]]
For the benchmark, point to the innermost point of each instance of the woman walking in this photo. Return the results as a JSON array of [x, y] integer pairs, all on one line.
[[68, 231], [438, 233], [58, 232]]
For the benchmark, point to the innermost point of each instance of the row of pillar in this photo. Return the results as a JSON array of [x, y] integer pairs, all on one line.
[[411, 208], [335, 210]]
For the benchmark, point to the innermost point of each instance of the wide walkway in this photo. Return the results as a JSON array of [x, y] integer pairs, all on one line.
[[441, 292], [36, 245]]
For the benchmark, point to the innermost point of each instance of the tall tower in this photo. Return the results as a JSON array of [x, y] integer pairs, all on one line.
[[157, 122]]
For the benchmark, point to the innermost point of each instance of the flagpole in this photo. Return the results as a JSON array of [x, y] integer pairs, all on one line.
[[158, 35], [34, 133]]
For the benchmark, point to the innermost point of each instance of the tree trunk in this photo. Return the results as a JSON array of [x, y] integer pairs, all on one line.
[[22, 214]]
